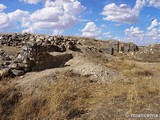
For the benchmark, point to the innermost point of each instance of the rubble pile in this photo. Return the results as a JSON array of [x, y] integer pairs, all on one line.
[[148, 54], [34, 54], [39, 52]]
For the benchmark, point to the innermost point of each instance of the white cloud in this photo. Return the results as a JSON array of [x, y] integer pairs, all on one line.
[[90, 30], [152, 35], [2, 7], [14, 19], [154, 23], [56, 14], [134, 34], [107, 35], [49, 14], [139, 6], [154, 30], [104, 26], [154, 3], [123, 13], [4, 19], [57, 32], [31, 1]]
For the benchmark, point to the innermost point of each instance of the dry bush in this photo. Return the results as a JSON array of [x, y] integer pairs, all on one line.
[[30, 108], [144, 73]]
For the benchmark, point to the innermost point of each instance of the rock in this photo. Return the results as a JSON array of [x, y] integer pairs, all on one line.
[[71, 46], [4, 72], [11, 57], [7, 58], [19, 58], [21, 77], [62, 48], [28, 69], [18, 72], [14, 66], [7, 63], [1, 52], [24, 48]]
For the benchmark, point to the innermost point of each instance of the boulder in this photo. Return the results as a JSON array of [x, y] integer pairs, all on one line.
[[71, 46], [14, 66], [18, 72], [4, 72], [6, 63], [19, 58], [7, 58], [1, 52]]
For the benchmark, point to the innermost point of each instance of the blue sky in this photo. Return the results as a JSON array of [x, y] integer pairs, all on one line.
[[135, 21]]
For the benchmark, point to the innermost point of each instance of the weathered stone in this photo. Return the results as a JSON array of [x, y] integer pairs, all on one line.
[[4, 72], [18, 72], [1, 52], [28, 69], [19, 58], [8, 58], [62, 48], [7, 63], [71, 46], [14, 66]]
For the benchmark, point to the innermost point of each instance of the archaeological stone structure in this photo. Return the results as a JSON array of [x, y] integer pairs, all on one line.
[[120, 47], [39, 52], [36, 52]]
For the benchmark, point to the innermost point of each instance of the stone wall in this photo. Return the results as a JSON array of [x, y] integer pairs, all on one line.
[[116, 47], [36, 53]]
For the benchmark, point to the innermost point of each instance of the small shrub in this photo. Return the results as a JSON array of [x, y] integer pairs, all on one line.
[[144, 73]]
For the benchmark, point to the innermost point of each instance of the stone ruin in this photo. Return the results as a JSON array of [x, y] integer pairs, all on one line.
[[119, 47], [149, 53], [37, 52]]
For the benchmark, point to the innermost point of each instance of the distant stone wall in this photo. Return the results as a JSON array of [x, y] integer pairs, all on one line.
[[116, 47]]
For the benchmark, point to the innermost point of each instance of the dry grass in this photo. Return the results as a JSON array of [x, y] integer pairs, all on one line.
[[9, 97], [121, 65], [68, 98], [73, 96]]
